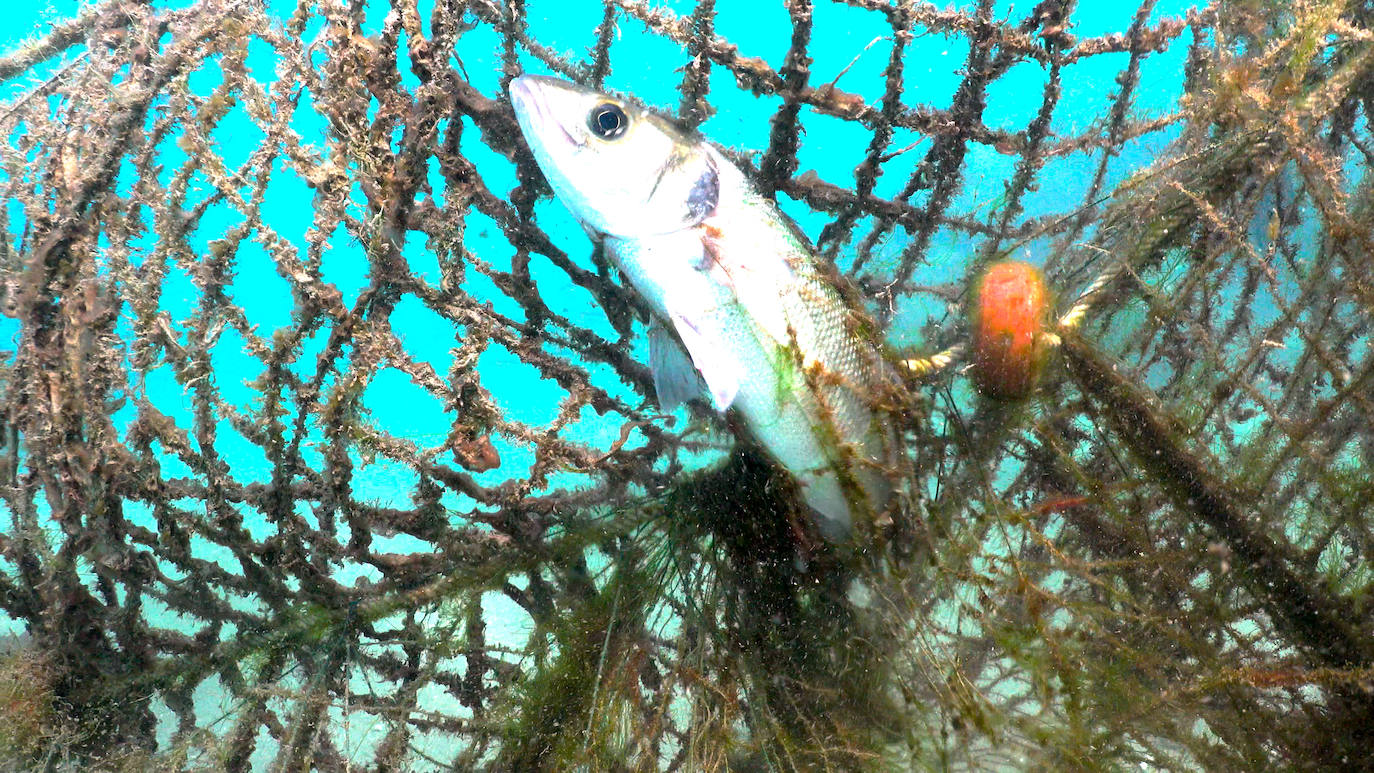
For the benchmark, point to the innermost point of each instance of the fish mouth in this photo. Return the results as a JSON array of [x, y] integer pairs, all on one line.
[[531, 106]]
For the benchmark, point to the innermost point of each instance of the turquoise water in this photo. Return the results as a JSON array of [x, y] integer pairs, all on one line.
[[647, 66]]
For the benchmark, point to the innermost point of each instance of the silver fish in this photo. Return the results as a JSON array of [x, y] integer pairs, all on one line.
[[739, 303]]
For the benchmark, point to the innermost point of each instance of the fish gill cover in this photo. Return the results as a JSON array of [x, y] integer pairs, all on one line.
[[328, 438]]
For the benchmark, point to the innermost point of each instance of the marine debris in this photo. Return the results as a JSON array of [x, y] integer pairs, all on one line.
[[270, 501]]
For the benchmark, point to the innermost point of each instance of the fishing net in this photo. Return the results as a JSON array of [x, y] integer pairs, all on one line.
[[384, 483]]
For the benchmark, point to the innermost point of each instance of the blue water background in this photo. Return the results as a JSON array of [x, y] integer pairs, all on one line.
[[647, 66]]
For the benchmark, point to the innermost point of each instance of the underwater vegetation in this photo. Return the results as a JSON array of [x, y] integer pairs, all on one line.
[[327, 439]]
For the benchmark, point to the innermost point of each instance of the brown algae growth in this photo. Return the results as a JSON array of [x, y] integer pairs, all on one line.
[[269, 498]]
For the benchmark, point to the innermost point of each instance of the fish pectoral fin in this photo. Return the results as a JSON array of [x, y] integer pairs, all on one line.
[[675, 379], [712, 361]]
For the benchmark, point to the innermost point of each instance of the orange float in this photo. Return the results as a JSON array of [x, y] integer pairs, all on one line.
[[1009, 309]]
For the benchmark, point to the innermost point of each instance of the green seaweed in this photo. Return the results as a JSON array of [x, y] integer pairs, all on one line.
[[1161, 559]]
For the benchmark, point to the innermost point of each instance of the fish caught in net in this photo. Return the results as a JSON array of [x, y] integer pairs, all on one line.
[[329, 438]]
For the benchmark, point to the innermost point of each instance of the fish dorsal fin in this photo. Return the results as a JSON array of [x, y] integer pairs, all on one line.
[[675, 379]]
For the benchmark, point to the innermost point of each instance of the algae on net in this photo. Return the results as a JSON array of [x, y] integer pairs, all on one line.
[[254, 514]]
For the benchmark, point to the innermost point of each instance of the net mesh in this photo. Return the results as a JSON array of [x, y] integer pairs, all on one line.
[[387, 485]]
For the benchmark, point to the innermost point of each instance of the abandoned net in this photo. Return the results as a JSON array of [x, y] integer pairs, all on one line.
[[328, 439]]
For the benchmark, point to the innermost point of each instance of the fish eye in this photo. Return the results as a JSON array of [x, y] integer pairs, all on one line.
[[608, 121]]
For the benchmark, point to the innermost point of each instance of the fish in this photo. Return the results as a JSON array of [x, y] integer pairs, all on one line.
[[743, 314]]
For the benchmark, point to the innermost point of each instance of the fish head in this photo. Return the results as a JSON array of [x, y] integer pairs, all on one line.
[[621, 170]]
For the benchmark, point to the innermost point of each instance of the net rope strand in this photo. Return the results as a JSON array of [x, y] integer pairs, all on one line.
[[203, 496]]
